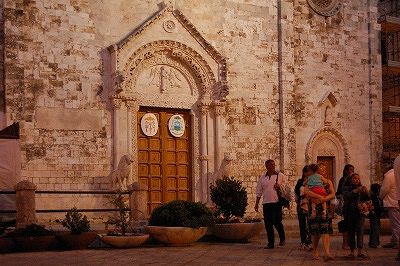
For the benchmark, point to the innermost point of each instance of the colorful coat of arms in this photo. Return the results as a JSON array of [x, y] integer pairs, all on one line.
[[149, 124], [176, 126]]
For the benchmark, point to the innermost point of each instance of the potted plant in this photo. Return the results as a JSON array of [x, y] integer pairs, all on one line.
[[33, 238], [6, 243], [230, 199], [80, 236], [120, 237], [180, 222]]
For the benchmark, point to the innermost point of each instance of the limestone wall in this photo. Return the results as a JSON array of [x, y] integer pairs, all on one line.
[[54, 63]]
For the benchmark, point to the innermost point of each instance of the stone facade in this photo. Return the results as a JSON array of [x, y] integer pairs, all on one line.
[[266, 79]]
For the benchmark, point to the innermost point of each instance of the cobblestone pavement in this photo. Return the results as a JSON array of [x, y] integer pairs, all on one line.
[[202, 253]]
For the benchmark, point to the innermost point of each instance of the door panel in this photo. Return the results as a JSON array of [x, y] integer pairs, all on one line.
[[329, 163], [164, 160]]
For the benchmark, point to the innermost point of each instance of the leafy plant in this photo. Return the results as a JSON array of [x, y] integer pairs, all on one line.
[[121, 221], [181, 213], [229, 197], [30, 230], [75, 221]]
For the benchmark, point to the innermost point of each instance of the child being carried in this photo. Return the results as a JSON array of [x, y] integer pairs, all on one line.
[[315, 183]]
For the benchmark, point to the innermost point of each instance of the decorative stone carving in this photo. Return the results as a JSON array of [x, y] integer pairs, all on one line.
[[169, 26], [121, 177], [25, 203], [327, 103], [325, 8], [326, 133], [164, 77], [116, 103], [219, 108]]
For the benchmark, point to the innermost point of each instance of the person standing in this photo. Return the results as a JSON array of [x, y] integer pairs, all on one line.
[[267, 187], [375, 217], [321, 225], [355, 194], [348, 170], [396, 167], [302, 215], [389, 196]]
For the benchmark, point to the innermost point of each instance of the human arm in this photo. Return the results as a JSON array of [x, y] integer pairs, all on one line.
[[385, 188], [257, 202], [331, 189], [258, 194], [339, 191], [396, 167]]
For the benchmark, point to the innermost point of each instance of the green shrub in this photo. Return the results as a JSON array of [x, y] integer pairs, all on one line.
[[30, 230], [76, 222], [181, 213], [229, 197], [122, 219]]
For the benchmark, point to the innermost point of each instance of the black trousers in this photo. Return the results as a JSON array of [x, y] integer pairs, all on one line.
[[374, 231], [356, 230], [273, 217], [303, 225]]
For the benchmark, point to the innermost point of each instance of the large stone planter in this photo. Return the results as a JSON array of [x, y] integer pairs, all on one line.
[[176, 236], [127, 241], [80, 241], [237, 232]]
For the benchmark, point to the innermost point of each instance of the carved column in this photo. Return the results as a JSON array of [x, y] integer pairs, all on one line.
[[25, 203], [219, 110], [133, 108], [203, 151], [116, 104]]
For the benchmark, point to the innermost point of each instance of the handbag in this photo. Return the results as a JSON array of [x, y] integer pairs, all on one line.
[[283, 194], [339, 206]]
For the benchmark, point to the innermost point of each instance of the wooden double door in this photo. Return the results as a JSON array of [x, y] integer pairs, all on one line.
[[165, 160]]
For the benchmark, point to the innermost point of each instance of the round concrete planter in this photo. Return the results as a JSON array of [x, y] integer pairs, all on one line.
[[237, 232], [127, 241], [176, 236], [80, 241]]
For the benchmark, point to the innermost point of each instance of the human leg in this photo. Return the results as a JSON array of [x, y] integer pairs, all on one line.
[[374, 224], [315, 241], [327, 245], [360, 235], [278, 223], [302, 224], [351, 234], [268, 221]]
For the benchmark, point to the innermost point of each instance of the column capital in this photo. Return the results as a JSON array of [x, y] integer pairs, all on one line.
[[219, 107], [116, 103], [203, 107], [132, 104]]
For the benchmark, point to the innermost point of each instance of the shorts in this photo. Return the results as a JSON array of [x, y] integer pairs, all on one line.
[[319, 190]]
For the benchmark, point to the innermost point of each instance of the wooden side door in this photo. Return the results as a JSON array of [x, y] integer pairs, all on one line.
[[329, 170], [165, 160]]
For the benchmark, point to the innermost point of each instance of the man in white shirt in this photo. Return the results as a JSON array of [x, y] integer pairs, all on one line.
[[396, 167], [389, 196], [267, 187]]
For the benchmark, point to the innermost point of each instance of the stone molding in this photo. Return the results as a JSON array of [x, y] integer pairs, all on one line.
[[331, 133]]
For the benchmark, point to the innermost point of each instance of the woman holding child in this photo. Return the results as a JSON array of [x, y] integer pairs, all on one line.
[[320, 220]]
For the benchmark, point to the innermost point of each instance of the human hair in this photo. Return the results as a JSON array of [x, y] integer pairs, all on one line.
[[375, 188], [313, 168], [268, 161], [304, 171], [346, 170]]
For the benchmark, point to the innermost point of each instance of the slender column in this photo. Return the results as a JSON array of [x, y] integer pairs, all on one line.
[[219, 110], [203, 151], [133, 108], [116, 104]]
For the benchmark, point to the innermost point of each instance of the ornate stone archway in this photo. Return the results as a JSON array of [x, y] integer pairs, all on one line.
[[182, 71], [328, 142]]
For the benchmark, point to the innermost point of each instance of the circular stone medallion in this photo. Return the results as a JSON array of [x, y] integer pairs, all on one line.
[[176, 125], [169, 26], [149, 124], [325, 8]]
